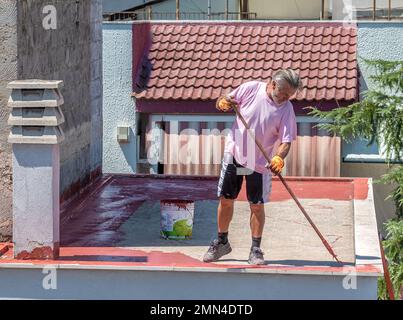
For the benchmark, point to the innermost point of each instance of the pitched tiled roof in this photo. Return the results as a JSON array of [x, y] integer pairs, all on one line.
[[201, 61]]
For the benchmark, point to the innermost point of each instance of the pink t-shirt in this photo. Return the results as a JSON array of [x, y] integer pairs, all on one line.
[[269, 122]]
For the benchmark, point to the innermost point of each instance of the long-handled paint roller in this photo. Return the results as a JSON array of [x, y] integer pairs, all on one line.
[[326, 244]]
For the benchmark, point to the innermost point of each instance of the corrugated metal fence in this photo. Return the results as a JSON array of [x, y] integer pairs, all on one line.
[[194, 145]]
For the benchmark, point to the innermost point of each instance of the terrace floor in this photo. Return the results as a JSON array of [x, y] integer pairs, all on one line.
[[116, 223]]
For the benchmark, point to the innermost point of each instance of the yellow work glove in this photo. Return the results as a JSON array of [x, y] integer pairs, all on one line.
[[276, 164], [224, 104]]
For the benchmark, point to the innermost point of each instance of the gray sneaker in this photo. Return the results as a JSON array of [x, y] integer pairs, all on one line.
[[216, 251], [256, 256]]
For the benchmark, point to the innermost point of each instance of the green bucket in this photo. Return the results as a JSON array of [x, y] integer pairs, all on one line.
[[177, 219]]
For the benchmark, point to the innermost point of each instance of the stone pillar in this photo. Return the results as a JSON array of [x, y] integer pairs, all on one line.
[[36, 134]]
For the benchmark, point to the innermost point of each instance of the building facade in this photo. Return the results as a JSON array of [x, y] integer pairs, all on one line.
[[377, 39]]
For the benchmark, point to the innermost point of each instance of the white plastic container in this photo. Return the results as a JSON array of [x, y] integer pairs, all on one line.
[[177, 219]]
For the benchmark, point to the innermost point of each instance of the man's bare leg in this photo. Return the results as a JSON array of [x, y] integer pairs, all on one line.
[[221, 246], [257, 219], [225, 212]]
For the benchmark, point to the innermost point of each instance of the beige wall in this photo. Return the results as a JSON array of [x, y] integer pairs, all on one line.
[[384, 209], [286, 9]]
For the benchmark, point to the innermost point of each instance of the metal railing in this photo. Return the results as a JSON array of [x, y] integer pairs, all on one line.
[[371, 13], [376, 10], [148, 15], [389, 11]]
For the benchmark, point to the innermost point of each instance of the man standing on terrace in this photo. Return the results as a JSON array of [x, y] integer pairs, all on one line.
[[270, 115]]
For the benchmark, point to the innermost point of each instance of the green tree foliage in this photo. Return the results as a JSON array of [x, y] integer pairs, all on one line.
[[378, 116], [393, 246], [395, 177]]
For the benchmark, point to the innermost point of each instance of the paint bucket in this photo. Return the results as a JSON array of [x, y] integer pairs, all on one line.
[[177, 219]]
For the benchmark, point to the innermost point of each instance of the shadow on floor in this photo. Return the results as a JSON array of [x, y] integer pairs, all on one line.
[[295, 263], [106, 258], [143, 228], [302, 263]]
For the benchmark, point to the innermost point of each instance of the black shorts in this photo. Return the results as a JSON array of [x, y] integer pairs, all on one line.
[[258, 186]]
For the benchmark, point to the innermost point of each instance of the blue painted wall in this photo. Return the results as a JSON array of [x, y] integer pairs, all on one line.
[[118, 105], [378, 41]]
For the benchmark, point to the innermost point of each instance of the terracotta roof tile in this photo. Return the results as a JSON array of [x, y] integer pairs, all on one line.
[[201, 61]]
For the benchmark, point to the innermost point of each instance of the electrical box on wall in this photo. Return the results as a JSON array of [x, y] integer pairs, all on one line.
[[123, 134]]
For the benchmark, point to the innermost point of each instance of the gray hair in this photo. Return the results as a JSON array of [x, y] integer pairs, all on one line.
[[290, 76]]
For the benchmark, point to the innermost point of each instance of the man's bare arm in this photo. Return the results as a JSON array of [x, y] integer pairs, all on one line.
[[283, 149]]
